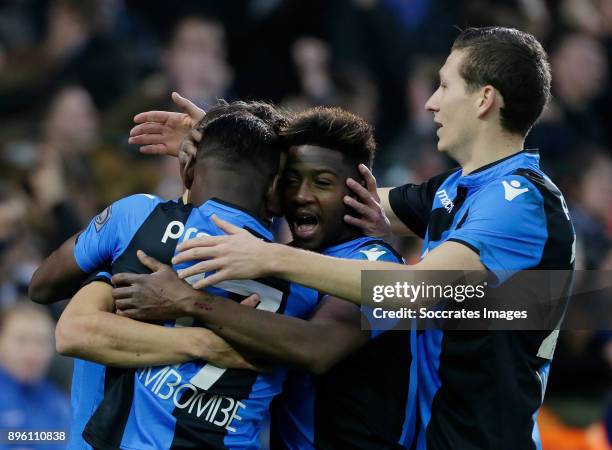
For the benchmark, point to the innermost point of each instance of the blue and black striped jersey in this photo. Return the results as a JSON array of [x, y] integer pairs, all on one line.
[[194, 404], [367, 401], [480, 389]]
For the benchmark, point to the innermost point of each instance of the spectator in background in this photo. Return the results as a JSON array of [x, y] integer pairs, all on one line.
[[77, 49], [412, 156], [312, 60], [348, 87], [70, 134], [72, 121], [195, 65], [13, 231], [591, 209], [29, 402], [196, 60], [532, 16], [69, 180], [83, 52], [571, 121]]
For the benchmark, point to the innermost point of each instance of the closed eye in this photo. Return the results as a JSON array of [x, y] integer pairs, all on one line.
[[290, 181], [323, 183]]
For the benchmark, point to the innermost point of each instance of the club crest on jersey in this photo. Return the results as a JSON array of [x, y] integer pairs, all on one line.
[[447, 203], [101, 219], [513, 189], [373, 253]]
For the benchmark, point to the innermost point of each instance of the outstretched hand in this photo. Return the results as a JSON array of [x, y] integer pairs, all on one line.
[[237, 255], [162, 132], [373, 221]]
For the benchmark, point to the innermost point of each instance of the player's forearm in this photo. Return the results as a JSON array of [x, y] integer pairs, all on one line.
[[338, 277], [219, 352], [397, 227], [306, 345], [448, 264], [117, 341], [58, 277]]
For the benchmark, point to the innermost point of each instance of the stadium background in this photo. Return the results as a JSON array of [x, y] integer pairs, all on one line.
[[74, 72]]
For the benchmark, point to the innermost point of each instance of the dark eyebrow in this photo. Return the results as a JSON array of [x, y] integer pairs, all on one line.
[[316, 172]]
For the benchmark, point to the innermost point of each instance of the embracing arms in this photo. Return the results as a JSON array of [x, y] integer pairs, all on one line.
[[237, 255], [58, 276], [333, 332], [88, 329]]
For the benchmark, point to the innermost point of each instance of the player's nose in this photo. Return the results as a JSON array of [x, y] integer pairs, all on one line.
[[304, 193], [431, 104]]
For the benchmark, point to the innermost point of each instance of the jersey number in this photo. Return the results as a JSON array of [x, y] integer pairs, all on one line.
[[270, 300]]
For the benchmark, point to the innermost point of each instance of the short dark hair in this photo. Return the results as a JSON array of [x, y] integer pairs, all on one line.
[[332, 128], [241, 133], [272, 115], [515, 64]]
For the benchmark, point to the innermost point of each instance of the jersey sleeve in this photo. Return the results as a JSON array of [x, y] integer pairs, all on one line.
[[506, 226], [111, 230], [376, 252], [104, 275], [412, 203]]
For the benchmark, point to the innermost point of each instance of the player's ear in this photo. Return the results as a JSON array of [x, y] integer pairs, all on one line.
[[187, 159], [187, 171], [273, 197], [487, 100]]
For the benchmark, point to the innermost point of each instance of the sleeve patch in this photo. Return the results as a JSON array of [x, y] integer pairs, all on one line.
[[101, 219]]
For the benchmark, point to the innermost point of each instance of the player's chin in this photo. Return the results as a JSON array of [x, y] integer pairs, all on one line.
[[310, 241], [441, 146]]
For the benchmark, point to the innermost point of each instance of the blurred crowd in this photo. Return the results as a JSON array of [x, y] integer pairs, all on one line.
[[74, 72]]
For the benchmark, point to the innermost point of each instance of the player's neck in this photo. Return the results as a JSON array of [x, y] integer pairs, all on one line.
[[348, 234], [246, 191], [488, 148]]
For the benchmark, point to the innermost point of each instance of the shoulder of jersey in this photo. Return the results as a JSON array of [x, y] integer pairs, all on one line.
[[131, 206], [145, 198], [511, 189], [136, 202]]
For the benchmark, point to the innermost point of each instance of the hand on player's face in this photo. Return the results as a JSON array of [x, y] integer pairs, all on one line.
[[160, 295], [161, 132], [373, 221], [235, 256]]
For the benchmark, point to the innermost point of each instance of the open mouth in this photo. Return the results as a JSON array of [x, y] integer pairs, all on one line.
[[438, 128], [304, 224]]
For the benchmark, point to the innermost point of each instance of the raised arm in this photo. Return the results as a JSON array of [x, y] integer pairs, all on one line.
[[88, 329]]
